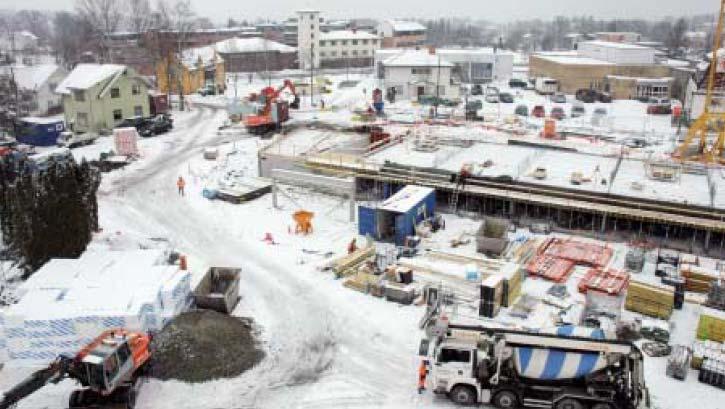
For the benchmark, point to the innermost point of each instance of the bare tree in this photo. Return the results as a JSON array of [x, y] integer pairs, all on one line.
[[105, 16], [139, 15], [70, 37], [183, 20]]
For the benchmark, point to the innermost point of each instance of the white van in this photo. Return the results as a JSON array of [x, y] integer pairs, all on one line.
[[72, 140], [546, 86]]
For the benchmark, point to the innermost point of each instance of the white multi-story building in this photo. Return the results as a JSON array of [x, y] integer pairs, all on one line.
[[412, 74], [334, 49]]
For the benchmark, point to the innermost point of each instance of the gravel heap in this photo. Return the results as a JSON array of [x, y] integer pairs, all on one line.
[[203, 345]]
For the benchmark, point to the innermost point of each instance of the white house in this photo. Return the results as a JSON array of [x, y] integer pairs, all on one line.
[[334, 49], [414, 73], [37, 83], [19, 41], [472, 65]]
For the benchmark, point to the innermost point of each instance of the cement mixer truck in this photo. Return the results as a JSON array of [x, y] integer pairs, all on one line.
[[565, 369]]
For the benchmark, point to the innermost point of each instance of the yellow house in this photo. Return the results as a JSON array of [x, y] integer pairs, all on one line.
[[199, 67]]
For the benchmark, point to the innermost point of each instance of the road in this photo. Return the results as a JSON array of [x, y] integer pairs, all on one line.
[[326, 346]]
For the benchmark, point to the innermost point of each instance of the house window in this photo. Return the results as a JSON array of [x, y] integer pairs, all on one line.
[[138, 110], [364, 52], [344, 53], [333, 53], [115, 93], [322, 43], [343, 42], [312, 26], [322, 53], [364, 42], [135, 89], [354, 42], [354, 52], [82, 119], [420, 71], [52, 86], [117, 114], [79, 96], [333, 42]]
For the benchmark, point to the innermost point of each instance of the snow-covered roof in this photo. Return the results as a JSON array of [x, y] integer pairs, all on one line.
[[610, 44], [472, 51], [676, 63], [416, 59], [251, 45], [642, 80], [402, 25], [31, 76], [571, 59], [85, 76], [347, 35], [406, 198], [47, 120]]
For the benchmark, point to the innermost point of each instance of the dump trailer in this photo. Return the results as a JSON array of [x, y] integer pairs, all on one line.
[[219, 289], [510, 369]]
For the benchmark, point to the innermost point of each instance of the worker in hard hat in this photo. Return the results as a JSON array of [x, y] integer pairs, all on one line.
[[422, 373], [352, 247], [181, 183]]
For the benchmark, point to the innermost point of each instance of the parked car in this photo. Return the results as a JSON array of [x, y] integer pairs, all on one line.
[[578, 110], [517, 83], [538, 111], [159, 124], [492, 98], [659, 106], [477, 89], [206, 90], [558, 113], [558, 98], [71, 140], [474, 105], [586, 95], [522, 110], [506, 97], [600, 111], [540, 173], [605, 97]]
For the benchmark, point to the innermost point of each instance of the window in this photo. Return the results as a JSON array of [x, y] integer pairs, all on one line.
[[52, 86], [333, 53], [354, 42], [322, 53], [344, 53], [333, 42], [138, 110], [354, 52], [343, 42], [82, 119], [115, 93], [364, 52], [117, 114], [123, 353], [312, 36], [322, 43], [312, 26], [135, 89], [364, 42], [454, 355], [420, 71], [79, 96]]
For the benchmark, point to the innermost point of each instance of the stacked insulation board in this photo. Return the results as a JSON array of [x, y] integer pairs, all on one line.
[[702, 350], [491, 296], [69, 302], [711, 325], [512, 282], [653, 300]]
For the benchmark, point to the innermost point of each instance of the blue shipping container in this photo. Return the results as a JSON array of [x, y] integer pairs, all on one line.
[[40, 131]]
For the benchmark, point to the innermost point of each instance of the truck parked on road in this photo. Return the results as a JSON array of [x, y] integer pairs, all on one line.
[[559, 370], [71, 140], [546, 86]]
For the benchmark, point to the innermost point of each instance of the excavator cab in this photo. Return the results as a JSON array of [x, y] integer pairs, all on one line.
[[108, 365]]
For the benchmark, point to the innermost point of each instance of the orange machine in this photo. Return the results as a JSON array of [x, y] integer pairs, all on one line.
[[107, 368], [304, 221], [273, 111]]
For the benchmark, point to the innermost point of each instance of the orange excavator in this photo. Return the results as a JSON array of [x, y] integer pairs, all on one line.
[[107, 368], [273, 111]]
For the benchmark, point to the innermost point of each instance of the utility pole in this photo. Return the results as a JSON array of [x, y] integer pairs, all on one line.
[[438, 87], [312, 74]]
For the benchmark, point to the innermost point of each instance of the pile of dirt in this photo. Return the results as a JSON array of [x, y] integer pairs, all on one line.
[[203, 345]]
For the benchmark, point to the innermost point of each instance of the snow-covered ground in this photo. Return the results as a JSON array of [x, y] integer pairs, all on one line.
[[327, 346]]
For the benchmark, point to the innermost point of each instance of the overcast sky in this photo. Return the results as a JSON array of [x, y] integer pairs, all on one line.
[[496, 10]]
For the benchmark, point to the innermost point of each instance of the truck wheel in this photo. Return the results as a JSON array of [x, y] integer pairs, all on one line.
[[569, 403], [463, 395], [75, 400], [506, 400]]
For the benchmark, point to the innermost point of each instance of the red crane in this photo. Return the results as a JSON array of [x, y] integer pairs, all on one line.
[[266, 120]]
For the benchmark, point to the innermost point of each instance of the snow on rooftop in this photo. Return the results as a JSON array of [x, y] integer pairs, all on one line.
[[416, 59], [572, 59], [347, 35], [85, 76], [402, 25], [250, 45], [611, 44], [43, 120], [406, 198], [207, 55], [31, 77]]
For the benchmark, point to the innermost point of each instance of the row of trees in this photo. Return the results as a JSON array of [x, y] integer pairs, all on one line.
[[47, 214]]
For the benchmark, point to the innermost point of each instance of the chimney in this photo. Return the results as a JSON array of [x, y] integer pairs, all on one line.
[[431, 50]]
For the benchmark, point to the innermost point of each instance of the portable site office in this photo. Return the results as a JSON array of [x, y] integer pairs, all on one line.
[[396, 217]]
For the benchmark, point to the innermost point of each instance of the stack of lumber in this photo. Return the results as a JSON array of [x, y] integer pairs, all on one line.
[[491, 296], [611, 282], [579, 252], [550, 267], [512, 281], [698, 279], [711, 325], [362, 282], [345, 265], [653, 300]]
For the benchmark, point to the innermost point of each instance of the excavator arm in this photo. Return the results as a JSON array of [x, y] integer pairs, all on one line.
[[53, 373]]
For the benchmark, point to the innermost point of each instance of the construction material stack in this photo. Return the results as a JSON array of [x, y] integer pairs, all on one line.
[[716, 295], [219, 289], [612, 282], [634, 260], [491, 237], [711, 325], [702, 350], [698, 279], [492, 289], [648, 299], [512, 282], [678, 362]]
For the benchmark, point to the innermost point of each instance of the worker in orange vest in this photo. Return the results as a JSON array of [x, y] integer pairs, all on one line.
[[352, 247], [180, 183], [422, 373]]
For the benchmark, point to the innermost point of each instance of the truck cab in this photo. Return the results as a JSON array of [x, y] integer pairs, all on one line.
[[455, 366]]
